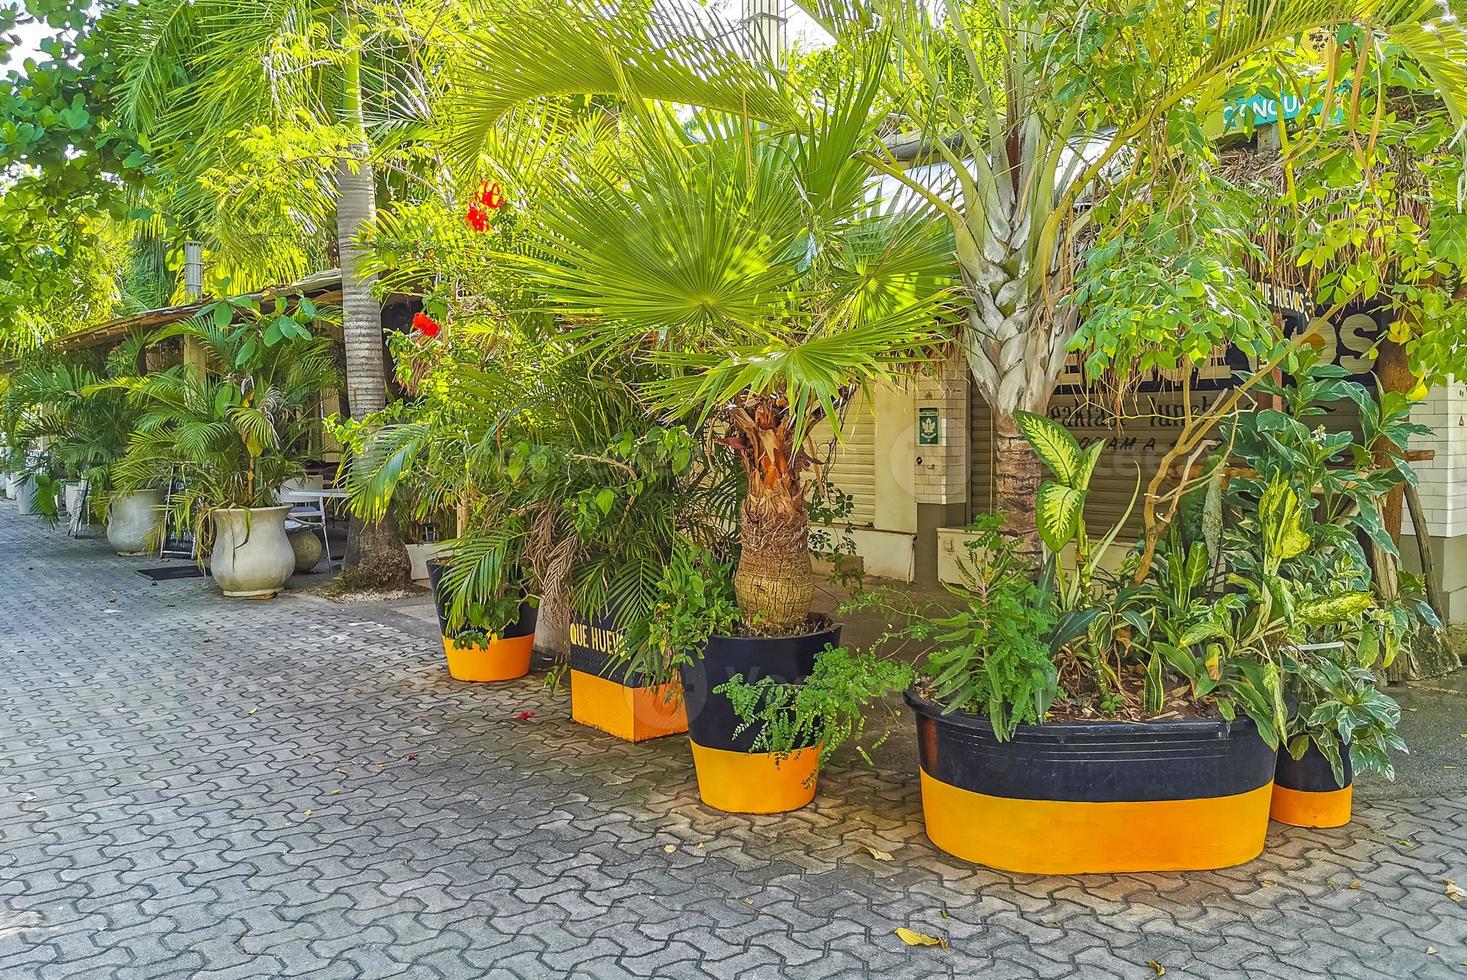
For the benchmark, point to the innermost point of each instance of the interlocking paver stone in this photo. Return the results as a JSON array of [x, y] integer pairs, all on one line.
[[198, 787]]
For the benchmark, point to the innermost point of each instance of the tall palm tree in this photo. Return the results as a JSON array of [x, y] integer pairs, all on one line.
[[199, 74], [1030, 103]]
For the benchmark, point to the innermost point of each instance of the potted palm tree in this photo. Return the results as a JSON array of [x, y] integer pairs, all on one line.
[[748, 266], [83, 425], [228, 437]]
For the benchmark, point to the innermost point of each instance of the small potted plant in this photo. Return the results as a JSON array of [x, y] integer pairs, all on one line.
[[1338, 721], [485, 613]]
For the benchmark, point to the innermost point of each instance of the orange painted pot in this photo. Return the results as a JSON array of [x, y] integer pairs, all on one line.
[[731, 776], [501, 659], [756, 782], [504, 657], [1095, 797], [1306, 793], [604, 696]]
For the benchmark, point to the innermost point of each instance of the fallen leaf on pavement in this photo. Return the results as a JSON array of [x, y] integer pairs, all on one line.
[[1156, 968], [670, 848], [1453, 892], [878, 855], [524, 716], [912, 938], [1355, 885]]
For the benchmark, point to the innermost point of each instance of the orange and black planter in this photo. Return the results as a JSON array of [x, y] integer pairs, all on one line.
[[1094, 797], [1305, 792], [604, 696], [504, 657], [732, 777]]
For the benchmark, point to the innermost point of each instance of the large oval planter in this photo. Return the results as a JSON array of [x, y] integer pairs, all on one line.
[[135, 522], [25, 494], [730, 776], [251, 557], [1305, 793], [604, 696], [504, 657], [1094, 797]]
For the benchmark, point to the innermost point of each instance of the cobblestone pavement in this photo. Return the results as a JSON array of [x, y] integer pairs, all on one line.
[[199, 787]]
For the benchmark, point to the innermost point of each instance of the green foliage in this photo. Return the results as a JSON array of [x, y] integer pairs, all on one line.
[[1244, 629], [994, 654], [234, 432], [60, 414], [826, 710], [694, 600], [1338, 708]]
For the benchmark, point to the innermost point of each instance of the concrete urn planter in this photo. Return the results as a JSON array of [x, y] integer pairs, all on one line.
[[135, 522], [252, 556], [25, 494]]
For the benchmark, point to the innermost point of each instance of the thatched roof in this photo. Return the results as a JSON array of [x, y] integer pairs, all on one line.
[[324, 286]]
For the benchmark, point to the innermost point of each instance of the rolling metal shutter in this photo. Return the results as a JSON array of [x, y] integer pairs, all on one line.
[[1152, 420], [853, 461]]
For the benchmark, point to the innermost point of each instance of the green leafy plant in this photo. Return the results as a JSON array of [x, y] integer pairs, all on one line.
[[694, 600], [1338, 708], [825, 710]]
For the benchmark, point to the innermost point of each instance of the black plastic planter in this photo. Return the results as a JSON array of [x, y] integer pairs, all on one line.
[[1305, 792], [1076, 798], [524, 624], [605, 696], [730, 776]]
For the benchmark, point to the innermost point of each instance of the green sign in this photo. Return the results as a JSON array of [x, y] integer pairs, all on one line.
[[929, 429]]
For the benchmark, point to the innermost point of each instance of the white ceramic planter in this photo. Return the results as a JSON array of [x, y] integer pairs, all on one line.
[[25, 494], [418, 555], [71, 493], [252, 557], [135, 522]]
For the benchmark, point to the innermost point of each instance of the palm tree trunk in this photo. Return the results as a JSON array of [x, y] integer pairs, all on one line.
[[1015, 363], [375, 556], [774, 582], [1016, 477]]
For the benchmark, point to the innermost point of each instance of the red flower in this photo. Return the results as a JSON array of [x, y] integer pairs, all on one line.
[[490, 195], [426, 325], [476, 219]]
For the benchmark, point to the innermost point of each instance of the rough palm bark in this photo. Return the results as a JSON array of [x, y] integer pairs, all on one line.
[[774, 582], [375, 555]]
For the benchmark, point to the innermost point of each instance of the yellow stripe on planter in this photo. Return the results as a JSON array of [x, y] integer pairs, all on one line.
[[1301, 808], [501, 660], [752, 782], [632, 713], [1069, 837]]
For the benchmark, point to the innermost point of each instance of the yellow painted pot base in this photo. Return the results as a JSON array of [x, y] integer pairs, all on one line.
[[632, 713], [501, 660], [755, 782], [1067, 837], [1301, 808]]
